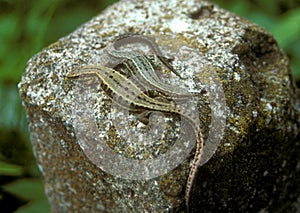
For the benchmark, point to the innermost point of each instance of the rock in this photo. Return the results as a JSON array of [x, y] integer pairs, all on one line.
[[96, 157]]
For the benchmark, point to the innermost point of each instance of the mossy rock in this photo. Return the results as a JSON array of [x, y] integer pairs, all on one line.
[[252, 163]]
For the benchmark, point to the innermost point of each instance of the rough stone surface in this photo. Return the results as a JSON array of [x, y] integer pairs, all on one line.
[[256, 167]]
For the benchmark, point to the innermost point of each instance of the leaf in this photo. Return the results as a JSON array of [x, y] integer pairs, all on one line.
[[10, 107], [295, 68], [294, 48], [108, 3], [27, 189], [62, 24], [10, 169], [264, 20], [8, 26], [241, 7], [35, 206], [287, 30], [267, 6], [31, 190]]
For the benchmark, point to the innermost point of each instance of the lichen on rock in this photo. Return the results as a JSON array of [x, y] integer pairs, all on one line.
[[248, 108]]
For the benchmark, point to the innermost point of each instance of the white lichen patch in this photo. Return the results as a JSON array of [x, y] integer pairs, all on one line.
[[178, 25]]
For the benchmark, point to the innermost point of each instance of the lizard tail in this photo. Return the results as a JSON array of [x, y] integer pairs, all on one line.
[[195, 166]]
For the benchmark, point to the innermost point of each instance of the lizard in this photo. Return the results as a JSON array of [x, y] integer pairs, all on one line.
[[142, 68], [127, 94], [130, 38]]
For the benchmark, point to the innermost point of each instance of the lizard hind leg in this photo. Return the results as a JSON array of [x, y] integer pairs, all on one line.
[[144, 118], [152, 119]]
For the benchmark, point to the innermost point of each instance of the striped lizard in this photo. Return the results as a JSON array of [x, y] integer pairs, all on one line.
[[132, 96], [128, 95], [143, 72], [141, 68], [130, 38]]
